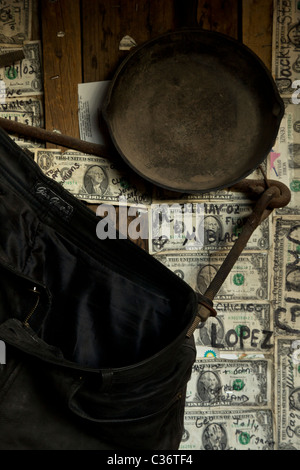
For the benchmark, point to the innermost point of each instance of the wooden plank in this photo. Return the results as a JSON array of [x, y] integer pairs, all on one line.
[[61, 35], [257, 28], [219, 15], [106, 22], [35, 30], [161, 17]]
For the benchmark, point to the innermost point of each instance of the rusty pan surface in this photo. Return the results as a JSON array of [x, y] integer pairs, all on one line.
[[193, 110]]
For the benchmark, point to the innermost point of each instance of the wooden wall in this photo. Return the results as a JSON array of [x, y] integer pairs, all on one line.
[[81, 40]]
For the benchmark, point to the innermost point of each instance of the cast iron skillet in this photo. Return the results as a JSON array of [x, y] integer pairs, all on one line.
[[193, 110]]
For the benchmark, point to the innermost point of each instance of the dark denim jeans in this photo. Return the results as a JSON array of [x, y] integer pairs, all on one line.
[[95, 330]]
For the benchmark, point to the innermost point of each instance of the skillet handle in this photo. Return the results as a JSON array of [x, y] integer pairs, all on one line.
[[255, 188], [38, 133]]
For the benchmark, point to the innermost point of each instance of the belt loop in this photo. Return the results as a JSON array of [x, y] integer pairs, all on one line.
[[107, 379]]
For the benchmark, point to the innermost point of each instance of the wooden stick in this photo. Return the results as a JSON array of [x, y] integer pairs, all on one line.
[[37, 133]]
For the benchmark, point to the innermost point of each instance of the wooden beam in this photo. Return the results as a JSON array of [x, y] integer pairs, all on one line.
[[219, 15], [61, 39], [257, 28], [35, 30], [106, 22]]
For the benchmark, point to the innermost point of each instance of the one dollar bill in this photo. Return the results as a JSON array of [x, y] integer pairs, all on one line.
[[202, 225], [228, 430], [286, 45], [248, 279], [222, 383], [238, 326], [285, 295], [16, 18], [284, 160], [25, 110], [287, 393], [23, 77], [92, 179]]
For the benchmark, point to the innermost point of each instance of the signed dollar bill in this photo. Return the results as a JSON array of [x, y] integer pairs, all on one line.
[[228, 430], [26, 110], [222, 383], [91, 178], [15, 21], [284, 160], [248, 279], [202, 225], [23, 77], [285, 295], [287, 392], [286, 45], [237, 327]]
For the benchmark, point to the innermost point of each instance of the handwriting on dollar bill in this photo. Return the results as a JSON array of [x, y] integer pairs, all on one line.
[[286, 284], [15, 21], [23, 77], [215, 226], [228, 430], [238, 326], [91, 178], [222, 383], [288, 392]]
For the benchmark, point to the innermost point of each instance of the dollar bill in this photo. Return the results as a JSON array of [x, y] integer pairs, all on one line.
[[286, 45], [23, 77], [247, 281], [284, 160], [15, 21], [91, 178], [26, 110], [236, 384], [207, 225], [287, 393], [285, 294], [211, 353], [237, 327], [228, 430]]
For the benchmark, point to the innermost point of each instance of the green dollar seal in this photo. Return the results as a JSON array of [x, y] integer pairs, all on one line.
[[237, 230], [11, 73], [244, 438], [238, 331], [238, 279], [295, 186], [238, 385], [124, 183]]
